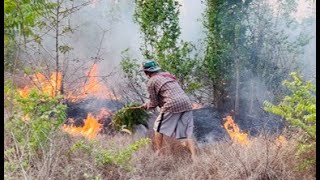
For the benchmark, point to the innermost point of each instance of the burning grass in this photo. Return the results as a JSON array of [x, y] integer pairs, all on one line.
[[74, 158], [102, 156], [234, 131], [93, 87], [51, 85], [48, 85], [90, 129]]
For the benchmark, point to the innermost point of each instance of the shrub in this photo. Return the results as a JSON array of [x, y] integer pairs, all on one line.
[[299, 109], [28, 132], [35, 116], [114, 155], [128, 116]]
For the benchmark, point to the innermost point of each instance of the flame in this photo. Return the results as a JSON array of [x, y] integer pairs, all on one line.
[[52, 86], [24, 92], [92, 87], [49, 86], [90, 129], [281, 140], [234, 131]]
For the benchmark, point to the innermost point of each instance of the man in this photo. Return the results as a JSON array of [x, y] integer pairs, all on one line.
[[175, 118]]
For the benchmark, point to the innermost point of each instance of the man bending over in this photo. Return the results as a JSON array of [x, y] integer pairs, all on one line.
[[175, 118]]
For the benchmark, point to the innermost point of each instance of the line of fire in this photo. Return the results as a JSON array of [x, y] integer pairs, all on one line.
[[92, 122]]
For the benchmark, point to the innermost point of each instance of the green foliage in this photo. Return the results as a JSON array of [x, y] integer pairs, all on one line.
[[34, 118], [223, 32], [130, 67], [22, 16], [159, 23], [111, 156], [122, 157], [20, 20], [134, 79], [65, 49], [299, 108], [85, 146], [129, 116], [29, 130]]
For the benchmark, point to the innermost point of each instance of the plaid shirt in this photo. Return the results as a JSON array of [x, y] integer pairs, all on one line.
[[165, 92]]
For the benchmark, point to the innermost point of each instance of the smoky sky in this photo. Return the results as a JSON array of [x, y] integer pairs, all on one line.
[[115, 17]]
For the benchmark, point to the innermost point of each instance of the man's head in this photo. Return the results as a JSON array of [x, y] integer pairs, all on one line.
[[149, 67]]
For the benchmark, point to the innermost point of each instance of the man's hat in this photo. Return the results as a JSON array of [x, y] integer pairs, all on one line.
[[150, 66]]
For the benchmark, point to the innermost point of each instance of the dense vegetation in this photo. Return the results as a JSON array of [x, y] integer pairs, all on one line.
[[249, 62]]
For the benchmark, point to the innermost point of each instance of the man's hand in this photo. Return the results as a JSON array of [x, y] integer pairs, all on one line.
[[144, 106]]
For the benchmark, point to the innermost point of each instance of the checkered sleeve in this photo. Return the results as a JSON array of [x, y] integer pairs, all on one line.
[[153, 100]]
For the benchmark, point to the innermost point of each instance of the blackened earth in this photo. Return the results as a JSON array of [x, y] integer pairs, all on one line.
[[208, 121]]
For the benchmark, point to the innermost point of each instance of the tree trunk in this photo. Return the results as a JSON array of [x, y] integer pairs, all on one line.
[[57, 89], [251, 97], [236, 104]]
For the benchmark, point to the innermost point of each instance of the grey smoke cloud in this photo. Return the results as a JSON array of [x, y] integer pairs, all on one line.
[[116, 17]]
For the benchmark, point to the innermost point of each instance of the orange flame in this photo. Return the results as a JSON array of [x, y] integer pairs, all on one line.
[[48, 86], [281, 140], [234, 131], [90, 129], [92, 87], [24, 92]]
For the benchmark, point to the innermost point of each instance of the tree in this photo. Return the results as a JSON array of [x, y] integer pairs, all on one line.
[[247, 46], [133, 79], [159, 24], [222, 20], [270, 49], [20, 19]]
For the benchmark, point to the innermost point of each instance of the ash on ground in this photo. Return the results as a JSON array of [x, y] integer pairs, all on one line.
[[208, 121]]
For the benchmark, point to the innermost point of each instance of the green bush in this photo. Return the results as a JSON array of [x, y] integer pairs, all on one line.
[[111, 156], [127, 117], [122, 157], [299, 109], [34, 118]]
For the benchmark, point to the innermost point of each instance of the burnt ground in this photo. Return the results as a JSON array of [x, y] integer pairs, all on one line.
[[208, 124], [79, 110], [208, 121]]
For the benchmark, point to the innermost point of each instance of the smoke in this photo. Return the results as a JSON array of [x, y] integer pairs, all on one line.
[[107, 27], [123, 32], [308, 58], [304, 16], [191, 24]]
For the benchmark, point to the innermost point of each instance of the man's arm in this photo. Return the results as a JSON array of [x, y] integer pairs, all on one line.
[[153, 99]]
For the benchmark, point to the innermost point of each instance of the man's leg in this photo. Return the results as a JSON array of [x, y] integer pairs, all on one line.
[[193, 148], [158, 138], [190, 142], [191, 145]]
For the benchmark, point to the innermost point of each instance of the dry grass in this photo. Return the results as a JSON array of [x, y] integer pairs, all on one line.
[[263, 159]]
